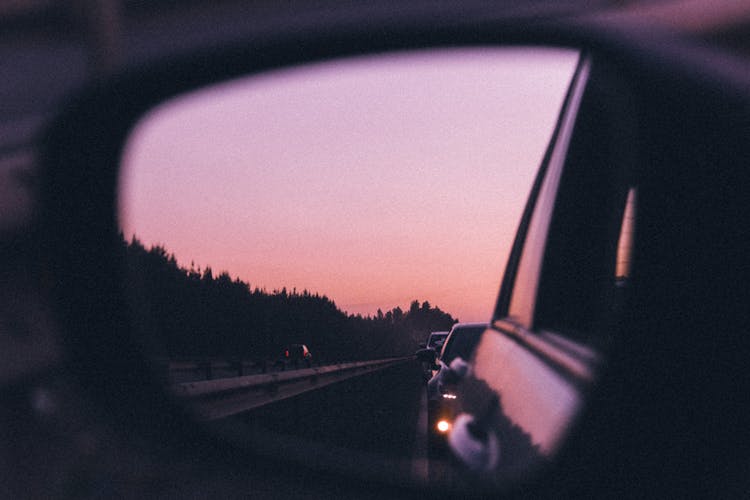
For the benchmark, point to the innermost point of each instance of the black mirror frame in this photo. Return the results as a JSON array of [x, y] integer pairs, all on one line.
[[82, 149]]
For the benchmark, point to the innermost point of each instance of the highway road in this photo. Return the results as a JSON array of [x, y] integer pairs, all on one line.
[[375, 413], [380, 417]]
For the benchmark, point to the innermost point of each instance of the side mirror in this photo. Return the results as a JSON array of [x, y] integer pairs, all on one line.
[[422, 345], [426, 356], [457, 370]]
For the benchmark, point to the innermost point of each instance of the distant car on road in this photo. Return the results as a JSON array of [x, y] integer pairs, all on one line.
[[434, 342], [295, 354], [436, 339]]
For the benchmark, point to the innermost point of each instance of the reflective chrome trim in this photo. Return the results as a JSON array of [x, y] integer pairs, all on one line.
[[574, 361], [523, 297]]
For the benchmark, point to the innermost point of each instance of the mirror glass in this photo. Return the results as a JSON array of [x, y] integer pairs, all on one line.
[[324, 216]]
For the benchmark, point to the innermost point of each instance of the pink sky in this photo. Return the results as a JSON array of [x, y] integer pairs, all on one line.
[[374, 181]]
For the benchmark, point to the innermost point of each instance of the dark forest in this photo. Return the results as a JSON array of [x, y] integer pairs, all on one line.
[[194, 313]]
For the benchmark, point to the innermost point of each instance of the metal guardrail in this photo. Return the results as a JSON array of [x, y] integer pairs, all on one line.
[[178, 371], [214, 399], [181, 370]]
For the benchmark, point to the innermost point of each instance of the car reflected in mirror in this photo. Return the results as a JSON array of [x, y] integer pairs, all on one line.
[[447, 371]]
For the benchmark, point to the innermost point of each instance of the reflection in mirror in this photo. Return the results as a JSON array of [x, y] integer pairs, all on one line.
[[296, 225]]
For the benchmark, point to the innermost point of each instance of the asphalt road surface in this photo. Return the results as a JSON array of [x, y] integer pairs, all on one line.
[[380, 417], [375, 413]]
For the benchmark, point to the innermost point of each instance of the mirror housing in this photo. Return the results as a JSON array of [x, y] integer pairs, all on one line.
[[79, 222]]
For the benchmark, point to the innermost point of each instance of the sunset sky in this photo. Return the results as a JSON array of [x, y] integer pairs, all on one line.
[[373, 181]]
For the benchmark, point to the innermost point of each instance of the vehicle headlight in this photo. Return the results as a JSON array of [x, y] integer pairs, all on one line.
[[443, 426]]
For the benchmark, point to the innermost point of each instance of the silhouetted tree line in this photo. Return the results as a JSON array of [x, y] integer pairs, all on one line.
[[192, 313]]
